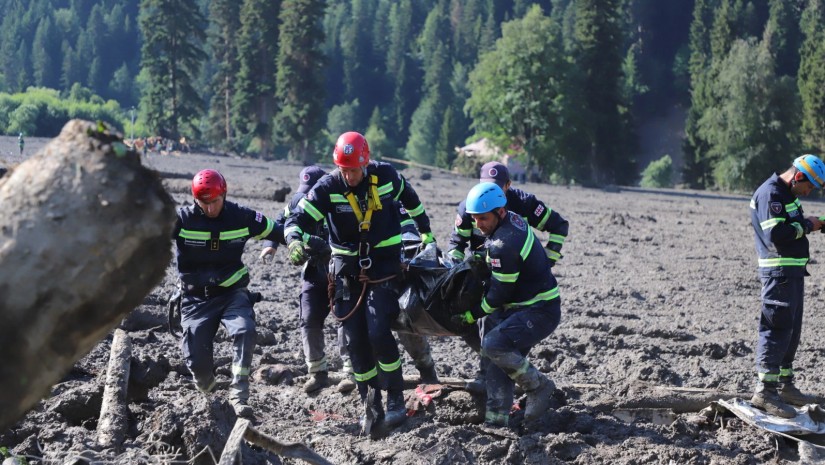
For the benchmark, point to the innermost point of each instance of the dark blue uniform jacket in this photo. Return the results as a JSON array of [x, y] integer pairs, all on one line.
[[209, 250], [521, 273], [779, 227], [537, 214], [327, 200]]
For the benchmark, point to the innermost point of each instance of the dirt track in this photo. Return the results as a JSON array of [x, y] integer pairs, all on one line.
[[658, 290]]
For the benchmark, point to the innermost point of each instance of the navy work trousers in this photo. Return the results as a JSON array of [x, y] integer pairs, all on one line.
[[372, 347], [200, 319], [780, 324], [507, 337]]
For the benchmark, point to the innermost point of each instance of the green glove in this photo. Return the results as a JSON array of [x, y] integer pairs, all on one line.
[[427, 238], [297, 254]]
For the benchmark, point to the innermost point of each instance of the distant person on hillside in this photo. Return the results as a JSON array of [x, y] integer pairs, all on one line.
[[780, 231], [21, 143], [534, 211], [210, 236]]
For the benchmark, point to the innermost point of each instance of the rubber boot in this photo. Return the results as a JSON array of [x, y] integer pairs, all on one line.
[[427, 375], [791, 394], [396, 409], [767, 398], [538, 399]]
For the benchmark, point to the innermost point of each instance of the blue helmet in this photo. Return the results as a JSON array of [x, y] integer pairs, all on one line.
[[485, 197], [813, 168]]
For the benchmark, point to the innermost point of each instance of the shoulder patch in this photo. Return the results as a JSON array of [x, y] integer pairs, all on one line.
[[458, 220], [402, 210], [495, 262], [539, 210], [518, 221], [776, 207], [259, 217]]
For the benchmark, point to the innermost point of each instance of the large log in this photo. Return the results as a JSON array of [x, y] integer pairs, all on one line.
[[114, 413], [84, 237]]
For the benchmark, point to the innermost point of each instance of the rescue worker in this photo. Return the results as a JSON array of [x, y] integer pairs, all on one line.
[[314, 306], [358, 202], [780, 232], [314, 301], [21, 143], [210, 236], [534, 211], [520, 307]]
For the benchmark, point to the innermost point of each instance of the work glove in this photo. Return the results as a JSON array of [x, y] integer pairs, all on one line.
[[454, 257], [427, 238], [297, 254], [468, 318]]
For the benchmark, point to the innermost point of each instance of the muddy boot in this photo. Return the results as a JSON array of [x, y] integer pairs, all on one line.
[[396, 409], [791, 394], [427, 375], [496, 419], [478, 386], [538, 399], [206, 387], [373, 410], [767, 398], [317, 380], [241, 408], [347, 383]]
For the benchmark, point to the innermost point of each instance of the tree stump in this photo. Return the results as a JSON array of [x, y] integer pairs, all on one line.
[[84, 237]]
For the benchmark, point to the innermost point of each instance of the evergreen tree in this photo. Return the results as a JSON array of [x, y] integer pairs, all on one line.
[[402, 73], [45, 65], [782, 36], [697, 168], [597, 51], [299, 84], [254, 100], [223, 44], [173, 32], [811, 78]]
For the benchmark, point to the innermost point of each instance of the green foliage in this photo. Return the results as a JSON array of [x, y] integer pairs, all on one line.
[[172, 53], [43, 112], [753, 125], [253, 102], [340, 118], [299, 80], [659, 173], [811, 79], [518, 89]]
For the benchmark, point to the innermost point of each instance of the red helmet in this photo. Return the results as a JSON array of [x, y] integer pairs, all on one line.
[[351, 151], [208, 184]]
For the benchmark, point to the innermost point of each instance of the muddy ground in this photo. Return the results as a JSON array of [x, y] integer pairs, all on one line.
[[659, 294]]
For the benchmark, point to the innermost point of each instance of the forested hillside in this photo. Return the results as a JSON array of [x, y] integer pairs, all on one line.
[[562, 84]]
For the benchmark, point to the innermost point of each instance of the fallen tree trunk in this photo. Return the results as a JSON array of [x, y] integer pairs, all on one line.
[[114, 414], [243, 430], [84, 237]]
